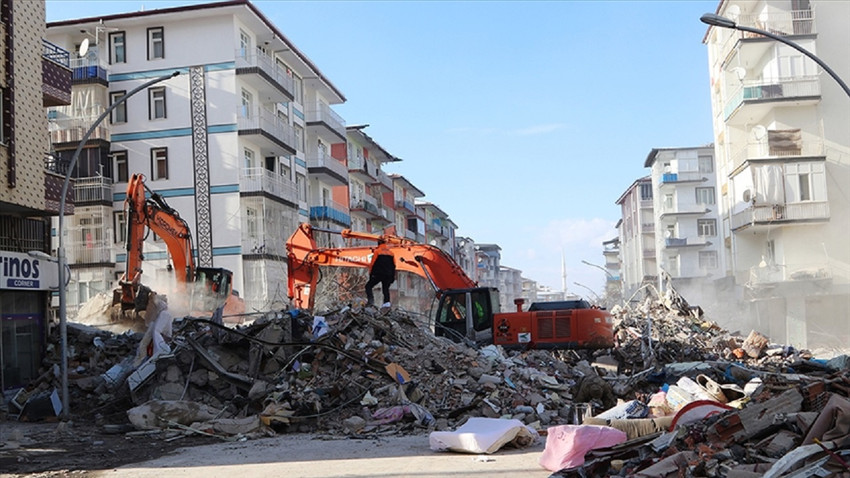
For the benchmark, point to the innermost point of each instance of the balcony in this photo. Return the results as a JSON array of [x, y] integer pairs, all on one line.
[[260, 71], [93, 190], [794, 22], [325, 122], [437, 229], [53, 182], [647, 227], [332, 211], [384, 181], [668, 179], [327, 168], [682, 242], [261, 180], [408, 206], [805, 90], [271, 133], [771, 275], [90, 250], [90, 69], [71, 129], [765, 150], [366, 205], [55, 75], [684, 210], [810, 212], [362, 169]]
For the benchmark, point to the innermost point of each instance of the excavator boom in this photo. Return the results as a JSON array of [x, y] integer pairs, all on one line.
[[305, 258]]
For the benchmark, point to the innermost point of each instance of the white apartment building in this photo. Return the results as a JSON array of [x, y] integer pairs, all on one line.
[[782, 148], [688, 246], [243, 143], [368, 183], [637, 239], [439, 229]]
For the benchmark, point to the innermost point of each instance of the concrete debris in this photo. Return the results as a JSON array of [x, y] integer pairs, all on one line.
[[691, 398]]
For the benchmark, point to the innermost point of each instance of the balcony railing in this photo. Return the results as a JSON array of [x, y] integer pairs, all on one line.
[[55, 53], [402, 204], [772, 90], [693, 209], [56, 75], [686, 241], [71, 129], [89, 251], [788, 212], [774, 274], [88, 68], [320, 159], [322, 113], [267, 65], [384, 180], [93, 189], [681, 177], [260, 119], [333, 211], [263, 244], [763, 150], [262, 180], [795, 22], [357, 164], [367, 205]]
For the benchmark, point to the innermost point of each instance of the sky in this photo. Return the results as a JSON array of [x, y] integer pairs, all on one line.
[[523, 121]]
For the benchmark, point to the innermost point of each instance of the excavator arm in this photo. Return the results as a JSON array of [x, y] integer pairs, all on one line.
[[153, 213], [305, 258]]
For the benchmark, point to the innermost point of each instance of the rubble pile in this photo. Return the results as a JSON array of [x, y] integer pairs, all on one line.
[[687, 394]]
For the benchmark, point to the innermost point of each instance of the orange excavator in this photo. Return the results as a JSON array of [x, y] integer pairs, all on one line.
[[149, 212], [465, 312]]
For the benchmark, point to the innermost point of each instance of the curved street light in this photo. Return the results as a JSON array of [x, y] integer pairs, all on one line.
[[589, 290], [60, 251], [715, 20]]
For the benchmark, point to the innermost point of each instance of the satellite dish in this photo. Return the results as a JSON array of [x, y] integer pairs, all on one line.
[[84, 47], [739, 72], [759, 132]]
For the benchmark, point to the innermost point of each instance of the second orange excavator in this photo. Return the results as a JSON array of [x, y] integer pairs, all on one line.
[[465, 312]]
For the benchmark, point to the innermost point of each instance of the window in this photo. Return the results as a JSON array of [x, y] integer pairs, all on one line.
[[301, 184], [121, 171], [708, 259], [119, 114], [646, 192], [706, 164], [299, 136], [156, 103], [298, 89], [244, 44], [705, 196], [120, 224], [117, 48], [247, 101], [668, 202], [251, 223], [248, 158], [156, 43], [707, 227], [159, 163]]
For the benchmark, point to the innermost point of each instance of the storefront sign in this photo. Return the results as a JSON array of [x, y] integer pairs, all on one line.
[[23, 272]]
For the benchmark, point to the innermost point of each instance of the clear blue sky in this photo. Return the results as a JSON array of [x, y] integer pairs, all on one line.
[[524, 121]]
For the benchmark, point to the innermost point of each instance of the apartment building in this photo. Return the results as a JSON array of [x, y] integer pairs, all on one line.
[[613, 286], [782, 148], [439, 229], [689, 252], [636, 231], [510, 287], [368, 183], [35, 74], [243, 143]]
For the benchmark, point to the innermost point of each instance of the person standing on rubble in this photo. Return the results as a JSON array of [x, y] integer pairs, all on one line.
[[382, 270]]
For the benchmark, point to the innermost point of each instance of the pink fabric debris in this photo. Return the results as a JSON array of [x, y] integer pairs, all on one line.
[[566, 445]]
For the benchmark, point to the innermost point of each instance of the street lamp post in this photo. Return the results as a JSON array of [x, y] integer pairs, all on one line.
[[595, 295], [723, 22], [607, 274], [60, 251]]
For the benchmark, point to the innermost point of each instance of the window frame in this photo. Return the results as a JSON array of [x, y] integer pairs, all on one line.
[[114, 96], [707, 190], [116, 158], [119, 225], [708, 260], [159, 154], [152, 43], [710, 224], [156, 95], [115, 46]]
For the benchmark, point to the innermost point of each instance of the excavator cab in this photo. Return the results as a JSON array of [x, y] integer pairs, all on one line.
[[217, 284], [466, 315]]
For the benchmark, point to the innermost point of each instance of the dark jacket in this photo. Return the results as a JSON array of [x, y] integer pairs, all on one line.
[[383, 263]]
